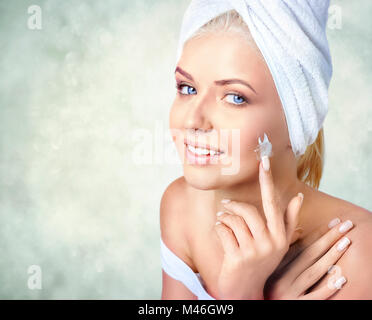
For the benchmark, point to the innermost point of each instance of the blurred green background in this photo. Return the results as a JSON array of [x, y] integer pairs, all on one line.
[[72, 199]]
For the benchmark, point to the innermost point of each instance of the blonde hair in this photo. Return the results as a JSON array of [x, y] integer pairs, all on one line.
[[310, 164]]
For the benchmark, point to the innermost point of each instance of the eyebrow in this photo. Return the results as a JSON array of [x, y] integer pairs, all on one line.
[[217, 82]]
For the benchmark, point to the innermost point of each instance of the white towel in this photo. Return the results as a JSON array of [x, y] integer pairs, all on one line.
[[291, 35]]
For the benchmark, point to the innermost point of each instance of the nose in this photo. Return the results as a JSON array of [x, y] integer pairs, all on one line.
[[198, 116]]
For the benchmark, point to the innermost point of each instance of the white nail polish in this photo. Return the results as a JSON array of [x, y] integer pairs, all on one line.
[[225, 200], [218, 222], [219, 213], [301, 195], [345, 226], [344, 242], [333, 223], [339, 282], [266, 163]]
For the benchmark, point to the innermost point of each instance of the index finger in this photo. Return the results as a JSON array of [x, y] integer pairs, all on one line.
[[270, 206]]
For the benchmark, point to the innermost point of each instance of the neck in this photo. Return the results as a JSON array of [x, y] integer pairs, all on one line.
[[286, 184]]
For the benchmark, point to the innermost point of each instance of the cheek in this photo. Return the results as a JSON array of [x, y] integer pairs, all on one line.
[[275, 122], [175, 121], [272, 123], [174, 117], [280, 130], [249, 139], [276, 131], [269, 119], [176, 128]]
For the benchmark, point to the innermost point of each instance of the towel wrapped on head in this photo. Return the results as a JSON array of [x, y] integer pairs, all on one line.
[[291, 35]]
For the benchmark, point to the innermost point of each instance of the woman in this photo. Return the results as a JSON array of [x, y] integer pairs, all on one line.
[[270, 240]]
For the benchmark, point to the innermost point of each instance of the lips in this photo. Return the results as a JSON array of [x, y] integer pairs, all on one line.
[[201, 154], [202, 149]]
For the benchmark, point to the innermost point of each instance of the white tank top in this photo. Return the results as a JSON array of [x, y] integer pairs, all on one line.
[[179, 270]]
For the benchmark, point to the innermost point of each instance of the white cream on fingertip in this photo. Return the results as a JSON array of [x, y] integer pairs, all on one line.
[[264, 148]]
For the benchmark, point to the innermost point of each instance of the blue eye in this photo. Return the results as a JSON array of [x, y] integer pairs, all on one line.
[[237, 99], [185, 89], [181, 87]]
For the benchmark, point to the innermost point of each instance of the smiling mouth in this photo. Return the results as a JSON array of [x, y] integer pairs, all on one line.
[[202, 152]]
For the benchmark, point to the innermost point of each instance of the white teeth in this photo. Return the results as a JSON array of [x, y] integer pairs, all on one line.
[[199, 151], [202, 151]]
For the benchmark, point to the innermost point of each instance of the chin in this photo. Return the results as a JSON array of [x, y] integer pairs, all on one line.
[[202, 180], [210, 178]]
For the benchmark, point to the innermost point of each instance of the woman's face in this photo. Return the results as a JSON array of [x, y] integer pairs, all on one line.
[[224, 115]]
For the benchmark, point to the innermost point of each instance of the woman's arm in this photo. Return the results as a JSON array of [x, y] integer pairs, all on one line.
[[300, 272], [356, 264], [175, 290], [172, 233]]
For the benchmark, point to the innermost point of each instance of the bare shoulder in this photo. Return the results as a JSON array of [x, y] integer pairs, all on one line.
[[173, 208], [356, 262], [331, 207], [173, 199]]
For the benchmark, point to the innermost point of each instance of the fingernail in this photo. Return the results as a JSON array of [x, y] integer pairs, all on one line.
[[301, 195], [266, 163], [344, 242], [218, 222], [219, 213], [345, 226], [333, 223], [339, 282], [225, 200]]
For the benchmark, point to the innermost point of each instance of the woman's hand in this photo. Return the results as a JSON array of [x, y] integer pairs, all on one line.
[[253, 248], [293, 279]]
